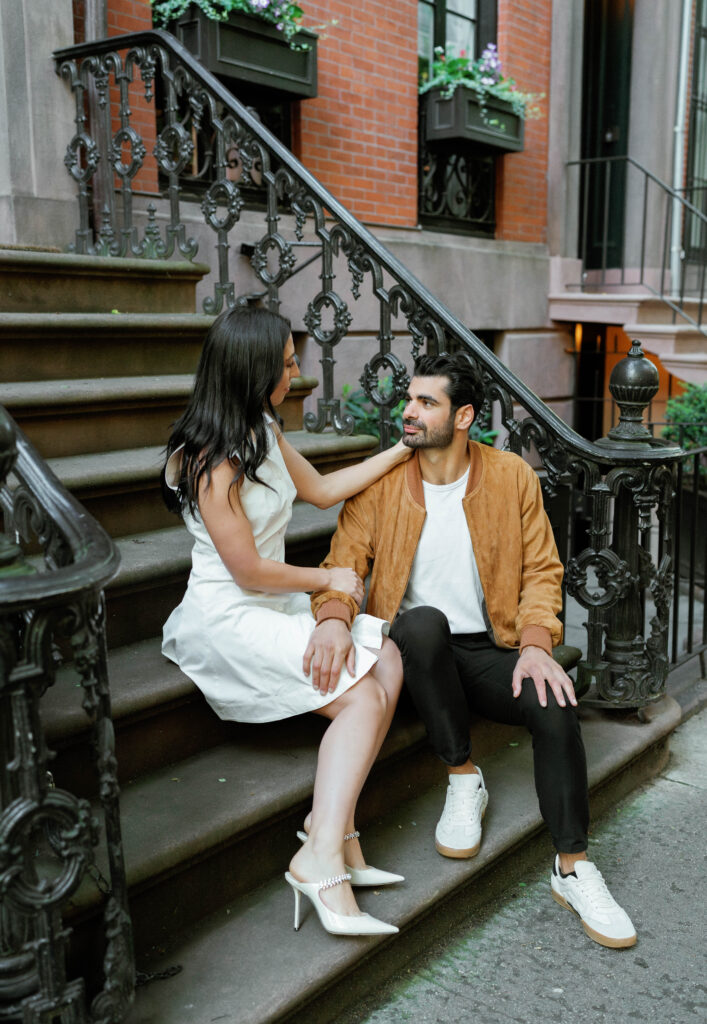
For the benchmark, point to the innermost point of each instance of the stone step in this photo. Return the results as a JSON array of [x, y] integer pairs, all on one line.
[[121, 489], [158, 715], [47, 282], [245, 953], [666, 339], [624, 306], [690, 367], [156, 712], [75, 417], [74, 346]]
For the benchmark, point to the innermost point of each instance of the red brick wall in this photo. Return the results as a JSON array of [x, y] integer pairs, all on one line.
[[524, 37], [359, 136], [128, 16]]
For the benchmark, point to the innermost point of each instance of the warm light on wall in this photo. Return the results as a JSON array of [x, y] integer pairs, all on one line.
[[577, 337]]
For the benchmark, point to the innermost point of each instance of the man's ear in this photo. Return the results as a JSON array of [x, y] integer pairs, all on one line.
[[464, 417]]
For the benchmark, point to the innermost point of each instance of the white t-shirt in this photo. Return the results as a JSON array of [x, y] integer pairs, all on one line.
[[444, 573]]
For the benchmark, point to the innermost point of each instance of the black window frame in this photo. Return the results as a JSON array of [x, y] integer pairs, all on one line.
[[486, 23], [449, 159]]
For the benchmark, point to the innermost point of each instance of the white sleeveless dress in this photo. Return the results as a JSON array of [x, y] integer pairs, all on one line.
[[244, 648]]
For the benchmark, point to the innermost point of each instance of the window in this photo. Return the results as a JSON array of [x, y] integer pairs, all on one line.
[[457, 183], [458, 26]]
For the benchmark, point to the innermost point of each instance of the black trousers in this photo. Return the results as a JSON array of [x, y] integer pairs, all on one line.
[[450, 675]]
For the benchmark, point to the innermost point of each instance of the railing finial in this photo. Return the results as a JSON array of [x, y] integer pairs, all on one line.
[[633, 383]]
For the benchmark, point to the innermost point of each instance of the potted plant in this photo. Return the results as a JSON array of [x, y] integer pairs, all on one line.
[[473, 101], [686, 418], [261, 42]]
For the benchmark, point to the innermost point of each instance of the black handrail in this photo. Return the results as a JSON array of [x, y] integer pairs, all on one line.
[[57, 606], [92, 558]]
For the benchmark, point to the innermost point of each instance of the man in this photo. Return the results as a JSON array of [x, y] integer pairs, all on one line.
[[464, 566]]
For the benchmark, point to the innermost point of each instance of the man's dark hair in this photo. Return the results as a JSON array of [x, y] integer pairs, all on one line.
[[464, 385]]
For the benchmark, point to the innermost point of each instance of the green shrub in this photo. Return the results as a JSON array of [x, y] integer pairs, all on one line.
[[686, 416]]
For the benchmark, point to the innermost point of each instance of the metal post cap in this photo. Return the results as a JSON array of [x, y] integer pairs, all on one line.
[[633, 383]]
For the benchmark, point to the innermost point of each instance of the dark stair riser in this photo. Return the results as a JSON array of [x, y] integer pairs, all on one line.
[[95, 425], [54, 352], [138, 508], [38, 283], [82, 431], [139, 612]]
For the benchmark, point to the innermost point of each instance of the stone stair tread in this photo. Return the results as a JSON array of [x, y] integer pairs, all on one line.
[[53, 394], [29, 260], [273, 972], [678, 329], [128, 465], [117, 323]]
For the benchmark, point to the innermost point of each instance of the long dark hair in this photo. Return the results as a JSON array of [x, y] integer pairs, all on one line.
[[241, 363]]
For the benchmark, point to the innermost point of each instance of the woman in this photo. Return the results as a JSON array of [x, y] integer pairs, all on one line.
[[243, 627]]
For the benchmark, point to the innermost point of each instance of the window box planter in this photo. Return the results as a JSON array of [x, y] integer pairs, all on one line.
[[459, 119], [247, 49]]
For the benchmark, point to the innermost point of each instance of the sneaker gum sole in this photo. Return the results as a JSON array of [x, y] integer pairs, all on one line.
[[603, 940], [450, 851]]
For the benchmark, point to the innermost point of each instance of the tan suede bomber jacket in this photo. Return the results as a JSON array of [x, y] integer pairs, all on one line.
[[520, 571]]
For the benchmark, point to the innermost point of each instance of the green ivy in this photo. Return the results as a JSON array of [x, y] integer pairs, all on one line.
[[285, 16]]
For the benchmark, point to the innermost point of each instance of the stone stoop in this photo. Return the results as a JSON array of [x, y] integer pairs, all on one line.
[[681, 348], [209, 808], [96, 381], [244, 962]]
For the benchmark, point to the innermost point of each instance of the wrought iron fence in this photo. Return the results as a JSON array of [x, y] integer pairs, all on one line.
[[626, 479], [689, 625], [637, 232], [51, 607]]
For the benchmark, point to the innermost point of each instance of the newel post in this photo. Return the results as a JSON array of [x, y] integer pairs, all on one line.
[[634, 661]]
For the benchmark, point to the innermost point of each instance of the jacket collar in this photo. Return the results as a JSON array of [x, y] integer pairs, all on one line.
[[414, 476]]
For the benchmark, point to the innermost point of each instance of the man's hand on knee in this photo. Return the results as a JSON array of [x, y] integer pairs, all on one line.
[[536, 664], [329, 647]]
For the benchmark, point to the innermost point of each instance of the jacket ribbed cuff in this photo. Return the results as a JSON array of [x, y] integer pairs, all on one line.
[[536, 636], [334, 610]]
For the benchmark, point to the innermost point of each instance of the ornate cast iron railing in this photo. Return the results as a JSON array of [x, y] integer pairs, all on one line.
[[51, 607], [637, 232], [626, 480]]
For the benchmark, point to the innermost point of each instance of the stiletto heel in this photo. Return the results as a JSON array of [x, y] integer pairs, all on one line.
[[363, 876], [335, 924], [297, 898]]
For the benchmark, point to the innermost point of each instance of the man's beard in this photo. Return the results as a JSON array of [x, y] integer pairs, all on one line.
[[440, 438]]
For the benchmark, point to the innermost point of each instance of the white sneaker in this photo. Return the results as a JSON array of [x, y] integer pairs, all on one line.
[[588, 897], [458, 832]]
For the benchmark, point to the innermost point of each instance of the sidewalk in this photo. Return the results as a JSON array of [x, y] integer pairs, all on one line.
[[526, 960]]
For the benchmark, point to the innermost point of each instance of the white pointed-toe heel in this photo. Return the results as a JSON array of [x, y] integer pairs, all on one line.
[[335, 924], [363, 876]]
